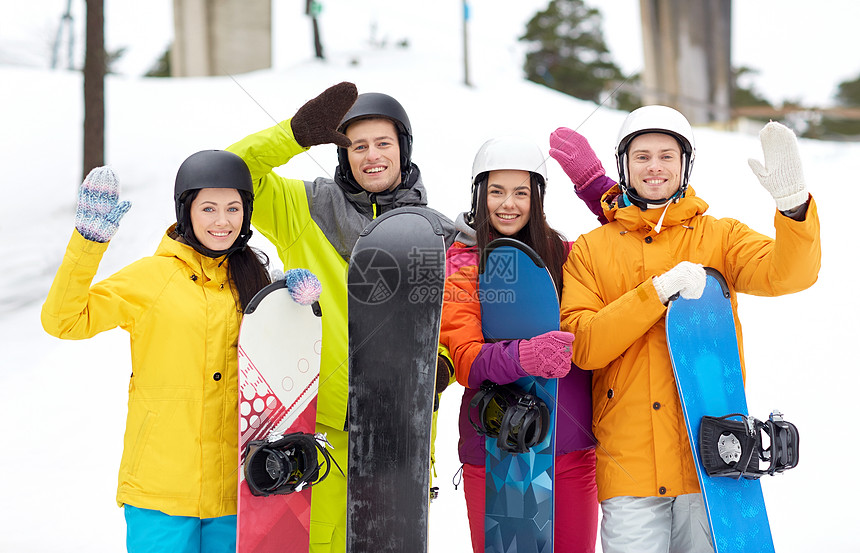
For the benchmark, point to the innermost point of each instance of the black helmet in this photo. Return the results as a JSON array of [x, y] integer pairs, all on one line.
[[371, 105], [212, 169]]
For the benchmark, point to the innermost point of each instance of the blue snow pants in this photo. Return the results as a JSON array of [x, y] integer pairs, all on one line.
[[149, 531]]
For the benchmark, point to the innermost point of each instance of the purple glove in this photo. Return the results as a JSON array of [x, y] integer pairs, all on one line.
[[547, 355], [572, 151]]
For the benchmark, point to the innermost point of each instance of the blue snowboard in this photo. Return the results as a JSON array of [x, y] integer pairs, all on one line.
[[703, 346], [518, 300]]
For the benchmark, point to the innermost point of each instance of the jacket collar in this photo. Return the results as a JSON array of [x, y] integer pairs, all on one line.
[[410, 193], [210, 268], [633, 218], [466, 235]]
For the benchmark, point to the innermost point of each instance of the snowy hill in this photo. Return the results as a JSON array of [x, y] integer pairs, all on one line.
[[62, 403]]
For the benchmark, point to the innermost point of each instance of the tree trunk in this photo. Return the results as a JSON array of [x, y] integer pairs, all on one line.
[[318, 47], [94, 88]]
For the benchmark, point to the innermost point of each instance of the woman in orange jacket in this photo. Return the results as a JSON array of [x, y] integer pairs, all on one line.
[[509, 182], [617, 282]]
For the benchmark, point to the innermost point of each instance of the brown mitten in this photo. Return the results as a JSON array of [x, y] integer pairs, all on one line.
[[316, 122]]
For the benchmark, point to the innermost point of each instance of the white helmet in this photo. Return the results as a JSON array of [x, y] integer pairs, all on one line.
[[507, 153], [659, 119]]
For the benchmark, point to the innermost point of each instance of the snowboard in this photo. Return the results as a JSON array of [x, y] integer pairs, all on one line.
[[519, 300], [279, 361], [395, 282], [703, 346]]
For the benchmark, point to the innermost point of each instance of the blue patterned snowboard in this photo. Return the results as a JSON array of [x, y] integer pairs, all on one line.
[[703, 346], [518, 300]]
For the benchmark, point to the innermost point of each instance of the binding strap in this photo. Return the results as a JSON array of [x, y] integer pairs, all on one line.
[[518, 420]]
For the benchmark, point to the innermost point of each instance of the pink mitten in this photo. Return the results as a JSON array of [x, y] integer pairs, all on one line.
[[547, 355], [572, 151]]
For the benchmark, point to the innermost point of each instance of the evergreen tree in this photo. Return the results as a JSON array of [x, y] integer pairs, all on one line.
[[847, 96], [849, 93], [161, 67], [746, 96], [568, 53]]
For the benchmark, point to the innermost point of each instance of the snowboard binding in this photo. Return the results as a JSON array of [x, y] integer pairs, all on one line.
[[736, 448], [518, 420], [282, 465]]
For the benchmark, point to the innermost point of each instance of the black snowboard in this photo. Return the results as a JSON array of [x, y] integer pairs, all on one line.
[[395, 283]]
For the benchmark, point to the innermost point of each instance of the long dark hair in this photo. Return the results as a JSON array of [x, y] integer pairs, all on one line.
[[546, 241], [248, 268]]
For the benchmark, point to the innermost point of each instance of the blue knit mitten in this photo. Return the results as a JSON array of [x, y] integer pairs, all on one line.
[[304, 286], [99, 209]]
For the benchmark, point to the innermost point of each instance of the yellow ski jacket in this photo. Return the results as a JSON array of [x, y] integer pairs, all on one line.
[[180, 450]]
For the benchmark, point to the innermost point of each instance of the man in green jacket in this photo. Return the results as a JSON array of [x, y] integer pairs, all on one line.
[[315, 224]]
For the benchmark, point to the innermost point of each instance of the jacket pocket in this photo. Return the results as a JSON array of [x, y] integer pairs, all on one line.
[[321, 532], [141, 441], [605, 392]]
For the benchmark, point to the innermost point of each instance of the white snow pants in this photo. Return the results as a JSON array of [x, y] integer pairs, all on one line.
[[655, 525]]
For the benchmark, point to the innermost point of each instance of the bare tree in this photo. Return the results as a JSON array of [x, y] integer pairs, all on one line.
[[95, 67], [67, 24]]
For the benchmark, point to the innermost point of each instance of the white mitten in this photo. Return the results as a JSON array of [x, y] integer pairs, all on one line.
[[781, 174], [685, 278]]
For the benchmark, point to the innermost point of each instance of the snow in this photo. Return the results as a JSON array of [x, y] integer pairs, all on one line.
[[62, 403]]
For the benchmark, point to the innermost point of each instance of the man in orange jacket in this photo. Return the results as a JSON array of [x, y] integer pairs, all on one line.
[[617, 281]]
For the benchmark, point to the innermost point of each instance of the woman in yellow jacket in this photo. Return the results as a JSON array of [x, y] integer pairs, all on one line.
[[182, 308], [617, 281]]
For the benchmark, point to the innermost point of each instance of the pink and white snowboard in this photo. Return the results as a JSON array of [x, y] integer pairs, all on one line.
[[279, 360]]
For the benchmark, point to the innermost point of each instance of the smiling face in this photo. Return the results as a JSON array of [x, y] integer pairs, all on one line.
[[216, 217], [509, 200], [654, 165], [374, 156]]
